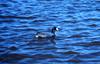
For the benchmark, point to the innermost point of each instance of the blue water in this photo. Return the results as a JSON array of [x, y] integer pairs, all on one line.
[[77, 41]]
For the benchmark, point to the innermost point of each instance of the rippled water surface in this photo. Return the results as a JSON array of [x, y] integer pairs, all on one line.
[[77, 41]]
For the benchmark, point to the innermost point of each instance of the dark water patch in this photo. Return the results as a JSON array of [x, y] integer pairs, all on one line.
[[2, 39], [4, 5], [74, 60], [19, 17], [80, 29], [77, 36], [4, 28], [57, 61], [88, 44], [85, 33], [86, 10], [86, 56], [13, 1], [69, 52], [92, 25], [13, 48], [28, 61], [44, 56], [13, 57], [95, 53], [97, 9], [29, 48], [92, 19], [97, 1], [24, 21], [2, 49], [51, 48], [70, 8], [94, 43], [84, 61], [90, 57], [6, 21], [24, 1]]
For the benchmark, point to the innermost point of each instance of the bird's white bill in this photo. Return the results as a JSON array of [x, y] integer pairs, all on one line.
[[36, 36], [57, 29]]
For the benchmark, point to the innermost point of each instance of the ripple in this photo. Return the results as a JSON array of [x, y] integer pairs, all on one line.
[[7, 20], [4, 28], [94, 43], [74, 60], [13, 48], [18, 17], [4, 5], [3, 49], [70, 52], [97, 9], [92, 25], [2, 39], [90, 57], [13, 57], [44, 56], [77, 36], [94, 19]]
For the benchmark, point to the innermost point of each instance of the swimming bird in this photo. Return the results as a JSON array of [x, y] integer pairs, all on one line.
[[51, 34]]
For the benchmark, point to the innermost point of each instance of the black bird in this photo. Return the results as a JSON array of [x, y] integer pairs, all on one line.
[[50, 34]]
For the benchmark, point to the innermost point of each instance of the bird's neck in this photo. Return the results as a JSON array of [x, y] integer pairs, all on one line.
[[53, 32]]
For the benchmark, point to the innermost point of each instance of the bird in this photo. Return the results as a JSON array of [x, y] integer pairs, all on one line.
[[51, 34]]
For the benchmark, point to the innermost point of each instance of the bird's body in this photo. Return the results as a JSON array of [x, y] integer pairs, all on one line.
[[50, 34], [43, 34]]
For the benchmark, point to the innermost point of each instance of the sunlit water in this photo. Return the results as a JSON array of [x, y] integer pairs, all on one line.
[[77, 41]]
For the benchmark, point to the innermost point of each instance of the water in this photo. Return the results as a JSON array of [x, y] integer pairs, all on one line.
[[77, 41]]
